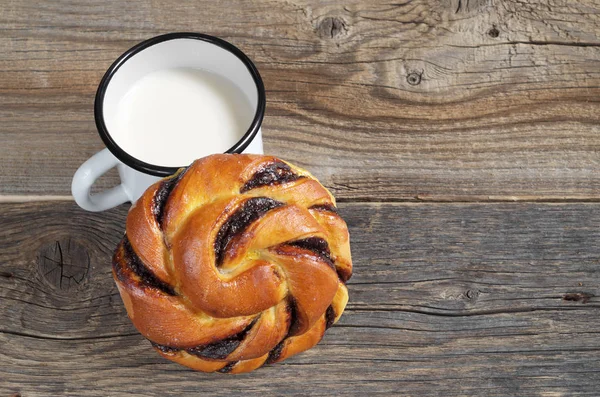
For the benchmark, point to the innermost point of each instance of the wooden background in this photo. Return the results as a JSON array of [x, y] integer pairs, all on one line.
[[461, 137]]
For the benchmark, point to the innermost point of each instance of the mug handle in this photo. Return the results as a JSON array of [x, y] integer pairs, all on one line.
[[86, 176]]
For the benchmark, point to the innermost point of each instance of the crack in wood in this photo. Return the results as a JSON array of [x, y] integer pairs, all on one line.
[[57, 338], [64, 264], [494, 312]]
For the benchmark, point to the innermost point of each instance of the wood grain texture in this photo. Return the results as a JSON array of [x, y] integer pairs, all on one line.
[[447, 299], [410, 100]]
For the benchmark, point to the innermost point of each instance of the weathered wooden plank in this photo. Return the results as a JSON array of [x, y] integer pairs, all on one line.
[[447, 299], [416, 100]]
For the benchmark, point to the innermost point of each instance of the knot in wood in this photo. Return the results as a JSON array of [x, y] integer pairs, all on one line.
[[332, 27], [472, 294], [582, 297], [493, 32], [64, 264], [414, 78]]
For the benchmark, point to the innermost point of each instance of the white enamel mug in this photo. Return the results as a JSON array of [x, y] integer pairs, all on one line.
[[173, 50]]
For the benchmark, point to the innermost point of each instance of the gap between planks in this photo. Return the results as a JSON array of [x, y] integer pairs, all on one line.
[[6, 199]]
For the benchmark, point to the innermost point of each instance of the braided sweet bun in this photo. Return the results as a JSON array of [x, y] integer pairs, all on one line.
[[234, 262]]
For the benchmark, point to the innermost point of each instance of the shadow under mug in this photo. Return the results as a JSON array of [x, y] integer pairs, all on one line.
[[173, 50]]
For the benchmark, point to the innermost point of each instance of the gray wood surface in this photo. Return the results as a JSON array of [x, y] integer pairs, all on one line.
[[447, 299], [461, 137], [412, 100]]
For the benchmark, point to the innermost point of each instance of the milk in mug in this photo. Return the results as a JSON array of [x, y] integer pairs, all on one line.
[[173, 116]]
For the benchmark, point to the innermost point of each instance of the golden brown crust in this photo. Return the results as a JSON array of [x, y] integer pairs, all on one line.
[[143, 229], [237, 261]]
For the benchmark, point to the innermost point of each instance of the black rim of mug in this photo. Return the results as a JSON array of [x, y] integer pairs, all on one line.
[[157, 170]]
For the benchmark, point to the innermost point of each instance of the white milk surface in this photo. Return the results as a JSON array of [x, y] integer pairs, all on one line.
[[173, 116]]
